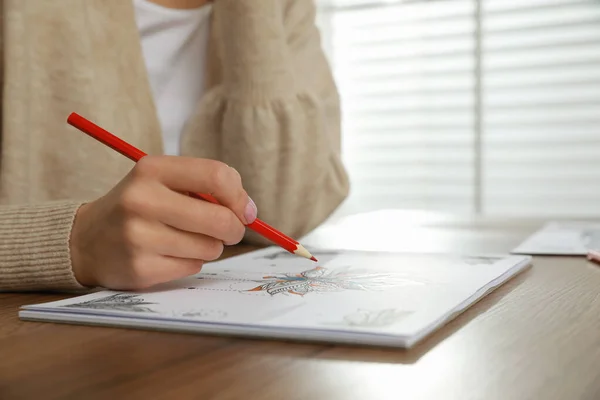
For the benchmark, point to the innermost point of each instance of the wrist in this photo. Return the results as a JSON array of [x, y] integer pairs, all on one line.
[[79, 265]]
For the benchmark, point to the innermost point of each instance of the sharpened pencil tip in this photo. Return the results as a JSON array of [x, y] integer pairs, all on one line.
[[302, 252], [314, 259]]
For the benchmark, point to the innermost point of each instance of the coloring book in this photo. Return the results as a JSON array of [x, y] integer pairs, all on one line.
[[351, 297]]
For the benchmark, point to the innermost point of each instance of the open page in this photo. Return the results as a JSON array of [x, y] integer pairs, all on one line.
[[373, 298]]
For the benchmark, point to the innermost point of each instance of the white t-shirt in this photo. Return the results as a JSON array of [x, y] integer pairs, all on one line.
[[174, 44]]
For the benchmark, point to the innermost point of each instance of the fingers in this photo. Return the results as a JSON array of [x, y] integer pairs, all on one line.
[[171, 242], [195, 175], [159, 269], [159, 253], [187, 214], [170, 268]]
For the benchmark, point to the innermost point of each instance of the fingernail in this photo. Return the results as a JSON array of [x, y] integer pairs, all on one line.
[[251, 211]]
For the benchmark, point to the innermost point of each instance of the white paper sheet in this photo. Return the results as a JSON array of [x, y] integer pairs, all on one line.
[[562, 238], [382, 299]]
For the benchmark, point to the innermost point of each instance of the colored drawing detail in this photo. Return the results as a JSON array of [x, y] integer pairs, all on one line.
[[321, 279]]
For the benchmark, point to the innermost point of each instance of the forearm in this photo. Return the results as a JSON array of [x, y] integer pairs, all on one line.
[[34, 247]]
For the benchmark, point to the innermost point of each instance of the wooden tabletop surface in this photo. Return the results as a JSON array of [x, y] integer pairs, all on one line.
[[536, 337]]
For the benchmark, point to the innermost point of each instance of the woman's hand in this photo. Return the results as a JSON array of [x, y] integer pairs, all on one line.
[[146, 231]]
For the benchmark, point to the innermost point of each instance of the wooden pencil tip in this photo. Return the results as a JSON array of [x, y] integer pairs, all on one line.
[[314, 259], [302, 252]]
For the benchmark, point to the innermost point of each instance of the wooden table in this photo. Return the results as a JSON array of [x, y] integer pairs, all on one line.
[[537, 337]]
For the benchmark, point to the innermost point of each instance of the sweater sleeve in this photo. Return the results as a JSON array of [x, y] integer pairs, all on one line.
[[34, 247], [279, 112]]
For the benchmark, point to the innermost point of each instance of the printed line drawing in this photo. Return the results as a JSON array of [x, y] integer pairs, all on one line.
[[321, 279], [375, 318], [117, 302], [212, 277]]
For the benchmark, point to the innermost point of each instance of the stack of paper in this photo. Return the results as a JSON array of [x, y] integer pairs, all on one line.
[[562, 238], [381, 299]]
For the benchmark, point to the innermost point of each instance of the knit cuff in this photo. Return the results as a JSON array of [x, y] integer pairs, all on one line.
[[34, 247], [254, 52]]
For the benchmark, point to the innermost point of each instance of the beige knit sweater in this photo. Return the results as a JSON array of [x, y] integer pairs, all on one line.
[[271, 111]]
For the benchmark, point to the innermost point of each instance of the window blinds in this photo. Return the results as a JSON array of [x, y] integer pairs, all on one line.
[[489, 106], [541, 107]]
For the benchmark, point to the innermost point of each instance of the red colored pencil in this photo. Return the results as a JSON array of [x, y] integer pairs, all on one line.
[[136, 154]]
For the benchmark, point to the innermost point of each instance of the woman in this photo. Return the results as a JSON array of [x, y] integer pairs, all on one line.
[[237, 93]]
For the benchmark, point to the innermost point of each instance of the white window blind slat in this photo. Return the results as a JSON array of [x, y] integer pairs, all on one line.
[[391, 33], [408, 68], [578, 34], [384, 89], [522, 5], [557, 77]]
